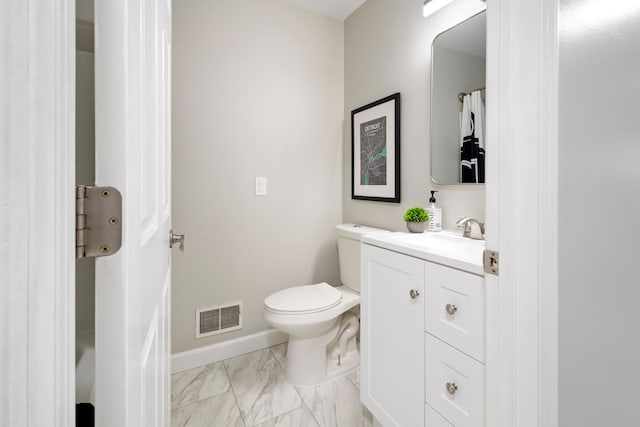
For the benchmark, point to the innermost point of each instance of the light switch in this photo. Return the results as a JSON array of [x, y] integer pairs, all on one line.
[[261, 185]]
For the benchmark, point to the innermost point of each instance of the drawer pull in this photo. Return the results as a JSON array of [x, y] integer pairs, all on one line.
[[452, 388], [414, 293], [451, 309]]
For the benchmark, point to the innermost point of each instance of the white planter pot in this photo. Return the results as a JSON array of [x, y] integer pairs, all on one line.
[[416, 227]]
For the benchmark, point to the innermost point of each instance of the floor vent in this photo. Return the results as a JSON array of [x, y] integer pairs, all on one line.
[[218, 320]]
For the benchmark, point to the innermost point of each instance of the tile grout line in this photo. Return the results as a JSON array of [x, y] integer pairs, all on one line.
[[198, 399], [187, 403], [279, 365], [304, 404], [233, 392]]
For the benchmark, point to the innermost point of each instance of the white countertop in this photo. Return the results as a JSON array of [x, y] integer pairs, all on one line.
[[445, 247]]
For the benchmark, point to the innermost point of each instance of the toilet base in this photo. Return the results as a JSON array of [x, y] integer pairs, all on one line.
[[347, 364], [311, 361]]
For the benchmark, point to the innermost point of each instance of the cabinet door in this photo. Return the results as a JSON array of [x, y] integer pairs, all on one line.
[[455, 308], [392, 337]]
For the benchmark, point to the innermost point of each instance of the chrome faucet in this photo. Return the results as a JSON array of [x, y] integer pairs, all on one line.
[[473, 228]]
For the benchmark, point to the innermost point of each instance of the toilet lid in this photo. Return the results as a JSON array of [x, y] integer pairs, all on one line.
[[304, 299]]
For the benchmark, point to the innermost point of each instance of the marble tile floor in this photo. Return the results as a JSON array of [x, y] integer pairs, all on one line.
[[251, 390]]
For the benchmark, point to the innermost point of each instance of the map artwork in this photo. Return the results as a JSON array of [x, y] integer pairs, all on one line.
[[373, 152]]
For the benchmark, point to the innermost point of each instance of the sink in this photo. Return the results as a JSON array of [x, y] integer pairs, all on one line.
[[442, 242], [445, 247]]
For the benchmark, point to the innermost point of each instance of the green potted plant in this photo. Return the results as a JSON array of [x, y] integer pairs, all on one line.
[[415, 218]]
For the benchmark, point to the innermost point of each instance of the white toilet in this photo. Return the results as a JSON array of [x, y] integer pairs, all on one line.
[[322, 331]]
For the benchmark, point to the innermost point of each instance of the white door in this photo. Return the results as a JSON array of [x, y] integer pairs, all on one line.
[[132, 93], [522, 213]]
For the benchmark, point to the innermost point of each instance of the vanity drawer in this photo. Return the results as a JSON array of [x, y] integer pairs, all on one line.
[[454, 309], [434, 419], [454, 384]]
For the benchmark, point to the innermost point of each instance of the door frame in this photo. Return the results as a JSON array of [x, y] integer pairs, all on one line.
[[522, 213], [37, 222]]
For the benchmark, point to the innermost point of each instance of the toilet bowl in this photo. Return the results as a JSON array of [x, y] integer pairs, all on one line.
[[320, 319]]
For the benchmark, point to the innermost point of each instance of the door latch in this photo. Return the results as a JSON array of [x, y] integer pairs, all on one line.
[[176, 238], [491, 261], [98, 221]]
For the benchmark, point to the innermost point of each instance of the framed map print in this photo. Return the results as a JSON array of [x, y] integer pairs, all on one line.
[[375, 151]]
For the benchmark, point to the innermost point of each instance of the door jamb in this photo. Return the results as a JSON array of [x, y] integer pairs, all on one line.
[[37, 220]]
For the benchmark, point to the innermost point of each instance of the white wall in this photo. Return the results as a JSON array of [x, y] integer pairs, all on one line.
[[387, 50], [257, 91], [599, 207]]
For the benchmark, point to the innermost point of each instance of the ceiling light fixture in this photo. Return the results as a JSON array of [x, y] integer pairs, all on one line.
[[431, 6]]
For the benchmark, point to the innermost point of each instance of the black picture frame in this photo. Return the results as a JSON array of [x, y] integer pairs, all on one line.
[[375, 151]]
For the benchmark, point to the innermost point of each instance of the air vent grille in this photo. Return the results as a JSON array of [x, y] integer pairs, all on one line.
[[209, 321], [229, 317], [217, 320]]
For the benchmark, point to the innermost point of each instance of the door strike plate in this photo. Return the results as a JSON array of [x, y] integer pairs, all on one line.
[[491, 261], [98, 221]]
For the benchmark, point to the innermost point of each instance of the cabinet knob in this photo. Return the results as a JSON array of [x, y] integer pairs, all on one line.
[[413, 293], [451, 309], [452, 388]]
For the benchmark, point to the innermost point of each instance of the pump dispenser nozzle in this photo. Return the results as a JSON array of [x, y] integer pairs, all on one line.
[[433, 197]]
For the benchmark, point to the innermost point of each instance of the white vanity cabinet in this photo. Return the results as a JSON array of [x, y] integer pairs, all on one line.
[[392, 336], [422, 337]]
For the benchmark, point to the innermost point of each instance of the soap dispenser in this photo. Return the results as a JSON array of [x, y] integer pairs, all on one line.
[[435, 214]]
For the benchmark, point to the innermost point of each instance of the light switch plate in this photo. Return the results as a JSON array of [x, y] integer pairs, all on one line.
[[261, 186]]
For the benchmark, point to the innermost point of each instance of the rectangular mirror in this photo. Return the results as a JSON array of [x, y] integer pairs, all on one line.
[[458, 70]]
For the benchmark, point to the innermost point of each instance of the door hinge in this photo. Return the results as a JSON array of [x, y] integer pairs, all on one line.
[[491, 261], [98, 221]]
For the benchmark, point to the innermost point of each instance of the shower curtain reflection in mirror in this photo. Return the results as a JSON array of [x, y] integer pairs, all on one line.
[[472, 125]]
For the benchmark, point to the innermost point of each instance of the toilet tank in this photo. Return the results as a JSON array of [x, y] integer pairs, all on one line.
[[349, 236]]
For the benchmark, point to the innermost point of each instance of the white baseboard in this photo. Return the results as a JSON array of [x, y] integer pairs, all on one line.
[[226, 349]]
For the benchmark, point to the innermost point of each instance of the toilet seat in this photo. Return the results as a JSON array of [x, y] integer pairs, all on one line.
[[303, 299]]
